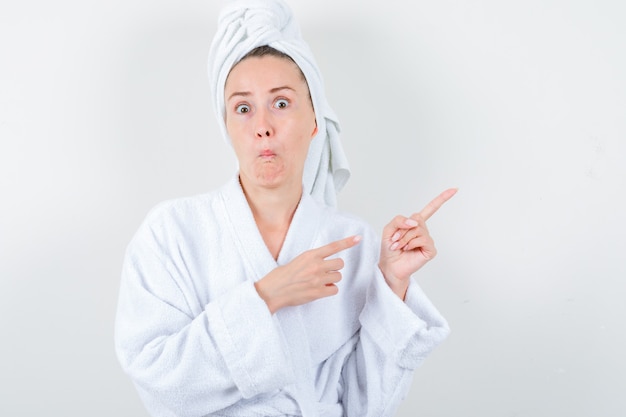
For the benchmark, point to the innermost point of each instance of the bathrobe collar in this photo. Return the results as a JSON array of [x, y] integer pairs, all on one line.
[[299, 238]]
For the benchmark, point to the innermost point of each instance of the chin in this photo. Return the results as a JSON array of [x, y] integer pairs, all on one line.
[[271, 178]]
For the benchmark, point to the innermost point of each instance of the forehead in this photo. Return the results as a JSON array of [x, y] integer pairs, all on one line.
[[265, 72]]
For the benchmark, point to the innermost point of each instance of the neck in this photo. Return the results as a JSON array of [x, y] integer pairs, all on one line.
[[273, 210], [273, 205]]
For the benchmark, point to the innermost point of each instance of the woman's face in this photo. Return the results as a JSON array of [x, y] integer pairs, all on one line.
[[270, 120]]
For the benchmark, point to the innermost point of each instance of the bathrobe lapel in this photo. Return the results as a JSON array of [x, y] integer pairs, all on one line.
[[258, 258], [299, 239], [247, 237]]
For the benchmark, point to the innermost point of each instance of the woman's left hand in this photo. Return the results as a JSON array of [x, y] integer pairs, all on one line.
[[407, 245]]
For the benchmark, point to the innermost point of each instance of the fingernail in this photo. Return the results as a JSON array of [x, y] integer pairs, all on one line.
[[394, 246], [395, 236], [357, 238], [410, 222]]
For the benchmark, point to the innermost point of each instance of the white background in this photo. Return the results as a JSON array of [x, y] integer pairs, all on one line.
[[104, 111]]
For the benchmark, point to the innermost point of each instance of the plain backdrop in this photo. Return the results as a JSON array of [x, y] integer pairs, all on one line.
[[105, 111]]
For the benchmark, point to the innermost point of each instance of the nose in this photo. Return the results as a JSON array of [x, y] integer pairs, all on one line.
[[263, 126], [262, 133]]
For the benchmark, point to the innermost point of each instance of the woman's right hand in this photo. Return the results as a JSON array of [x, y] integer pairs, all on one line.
[[308, 277]]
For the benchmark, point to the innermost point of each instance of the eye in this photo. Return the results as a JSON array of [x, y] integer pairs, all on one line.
[[281, 103], [242, 108]]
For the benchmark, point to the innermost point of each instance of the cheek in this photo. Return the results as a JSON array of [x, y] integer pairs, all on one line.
[[229, 124], [235, 136], [304, 144], [234, 129]]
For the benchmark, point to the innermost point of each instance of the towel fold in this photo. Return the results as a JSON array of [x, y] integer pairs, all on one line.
[[246, 24]]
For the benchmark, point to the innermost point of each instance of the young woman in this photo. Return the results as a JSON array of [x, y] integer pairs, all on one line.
[[261, 298]]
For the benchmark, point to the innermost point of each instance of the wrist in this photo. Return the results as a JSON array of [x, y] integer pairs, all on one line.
[[398, 286], [264, 294], [399, 290]]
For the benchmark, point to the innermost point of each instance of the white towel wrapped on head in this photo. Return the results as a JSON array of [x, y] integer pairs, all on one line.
[[246, 24]]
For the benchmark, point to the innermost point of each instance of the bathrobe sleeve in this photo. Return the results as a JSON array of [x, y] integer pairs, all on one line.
[[192, 360], [395, 338]]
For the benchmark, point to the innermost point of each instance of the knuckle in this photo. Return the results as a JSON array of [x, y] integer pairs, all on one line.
[[339, 263], [315, 269], [317, 281], [307, 256]]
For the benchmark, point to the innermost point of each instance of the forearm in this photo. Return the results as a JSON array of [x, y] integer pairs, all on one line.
[[195, 366], [395, 338]]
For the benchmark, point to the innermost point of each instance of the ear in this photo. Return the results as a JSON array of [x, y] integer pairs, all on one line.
[[314, 130]]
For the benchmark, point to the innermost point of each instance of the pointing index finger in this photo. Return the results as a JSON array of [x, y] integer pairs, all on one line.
[[432, 207], [338, 245]]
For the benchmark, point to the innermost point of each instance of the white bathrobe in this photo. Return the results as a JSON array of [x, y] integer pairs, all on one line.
[[197, 340]]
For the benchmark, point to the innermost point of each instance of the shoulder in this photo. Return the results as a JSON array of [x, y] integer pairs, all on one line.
[[181, 218], [176, 209]]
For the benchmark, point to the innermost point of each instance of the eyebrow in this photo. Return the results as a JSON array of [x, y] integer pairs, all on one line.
[[248, 93]]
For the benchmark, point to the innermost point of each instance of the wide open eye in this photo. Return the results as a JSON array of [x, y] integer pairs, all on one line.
[[281, 103], [242, 108]]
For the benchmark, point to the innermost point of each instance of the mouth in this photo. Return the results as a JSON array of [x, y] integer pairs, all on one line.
[[266, 153]]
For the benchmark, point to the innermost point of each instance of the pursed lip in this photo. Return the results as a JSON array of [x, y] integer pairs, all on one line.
[[266, 153]]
